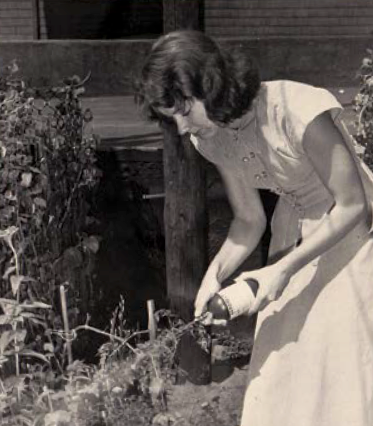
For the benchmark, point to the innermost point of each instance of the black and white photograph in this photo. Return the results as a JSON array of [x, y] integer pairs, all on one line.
[[186, 213]]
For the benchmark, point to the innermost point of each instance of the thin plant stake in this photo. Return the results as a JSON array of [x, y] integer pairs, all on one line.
[[152, 325], [66, 324]]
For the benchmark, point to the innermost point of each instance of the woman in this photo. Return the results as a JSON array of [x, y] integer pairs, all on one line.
[[312, 362]]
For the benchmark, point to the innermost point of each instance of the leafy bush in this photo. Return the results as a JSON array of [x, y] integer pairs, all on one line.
[[364, 108], [47, 178]]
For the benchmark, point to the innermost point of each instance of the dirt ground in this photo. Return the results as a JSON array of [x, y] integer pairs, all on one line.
[[218, 403], [221, 399]]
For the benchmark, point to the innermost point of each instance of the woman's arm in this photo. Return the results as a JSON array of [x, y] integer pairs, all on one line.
[[333, 161], [245, 232]]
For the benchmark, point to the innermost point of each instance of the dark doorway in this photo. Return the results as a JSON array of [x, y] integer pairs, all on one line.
[[102, 19]]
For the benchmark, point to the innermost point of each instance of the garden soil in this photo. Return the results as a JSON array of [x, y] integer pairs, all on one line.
[[222, 399]]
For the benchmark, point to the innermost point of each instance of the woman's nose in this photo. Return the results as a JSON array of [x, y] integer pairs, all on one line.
[[182, 125]]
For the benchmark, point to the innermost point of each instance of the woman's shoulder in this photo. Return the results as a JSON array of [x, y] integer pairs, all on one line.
[[296, 103], [290, 106], [289, 91]]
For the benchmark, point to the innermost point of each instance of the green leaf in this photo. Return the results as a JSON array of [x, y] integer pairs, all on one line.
[[9, 195], [26, 352], [7, 302], [72, 257], [48, 347], [9, 306], [2, 150], [36, 190], [20, 335], [3, 360], [91, 244], [8, 271], [26, 179], [5, 339], [37, 321], [4, 319], [40, 202], [28, 315], [35, 170], [15, 281], [35, 305], [8, 232]]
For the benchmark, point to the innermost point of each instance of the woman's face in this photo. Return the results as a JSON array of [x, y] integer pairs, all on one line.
[[192, 120]]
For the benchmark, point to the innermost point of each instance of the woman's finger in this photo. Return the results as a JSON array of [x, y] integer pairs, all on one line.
[[257, 305], [200, 306], [201, 302]]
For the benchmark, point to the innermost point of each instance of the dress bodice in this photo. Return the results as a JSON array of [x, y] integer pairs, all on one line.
[[261, 151], [266, 149]]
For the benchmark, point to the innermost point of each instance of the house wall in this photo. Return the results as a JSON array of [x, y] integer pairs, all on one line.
[[16, 20], [265, 18], [322, 61], [112, 19]]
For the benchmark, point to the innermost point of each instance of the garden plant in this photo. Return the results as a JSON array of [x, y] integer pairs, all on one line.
[[364, 108], [47, 177], [48, 182]]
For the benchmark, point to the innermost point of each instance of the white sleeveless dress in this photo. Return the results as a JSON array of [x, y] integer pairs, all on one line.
[[312, 362]]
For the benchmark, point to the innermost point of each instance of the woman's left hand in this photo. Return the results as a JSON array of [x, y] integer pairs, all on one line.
[[272, 282]]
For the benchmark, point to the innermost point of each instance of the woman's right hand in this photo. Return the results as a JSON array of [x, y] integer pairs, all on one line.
[[209, 287]]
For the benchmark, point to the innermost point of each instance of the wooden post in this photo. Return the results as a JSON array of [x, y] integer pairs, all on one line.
[[36, 19], [181, 14], [185, 187], [152, 325], [186, 224]]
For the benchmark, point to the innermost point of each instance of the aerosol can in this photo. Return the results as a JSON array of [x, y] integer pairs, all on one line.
[[233, 300]]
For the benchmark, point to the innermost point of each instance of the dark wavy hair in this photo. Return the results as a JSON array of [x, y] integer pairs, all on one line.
[[186, 64]]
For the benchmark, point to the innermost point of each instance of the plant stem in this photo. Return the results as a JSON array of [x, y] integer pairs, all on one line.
[[16, 348], [111, 336], [69, 201], [50, 404]]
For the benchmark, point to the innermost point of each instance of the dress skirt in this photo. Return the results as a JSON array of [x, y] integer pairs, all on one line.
[[312, 362]]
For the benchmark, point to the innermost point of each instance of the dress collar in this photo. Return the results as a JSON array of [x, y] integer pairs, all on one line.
[[245, 120], [250, 118]]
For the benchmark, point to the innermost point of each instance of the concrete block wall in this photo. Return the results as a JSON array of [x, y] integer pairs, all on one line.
[[16, 20], [322, 61], [266, 18]]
